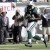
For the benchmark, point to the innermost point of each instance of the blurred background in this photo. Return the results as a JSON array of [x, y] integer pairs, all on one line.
[[12, 5]]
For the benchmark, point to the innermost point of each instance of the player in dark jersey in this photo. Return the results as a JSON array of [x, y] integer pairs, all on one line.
[[32, 16]]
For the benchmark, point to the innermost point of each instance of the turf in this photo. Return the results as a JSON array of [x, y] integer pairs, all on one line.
[[23, 47]]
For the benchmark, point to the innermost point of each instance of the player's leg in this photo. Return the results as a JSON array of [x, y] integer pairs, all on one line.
[[48, 34], [44, 31], [35, 37], [29, 39], [44, 34], [30, 35], [40, 38]]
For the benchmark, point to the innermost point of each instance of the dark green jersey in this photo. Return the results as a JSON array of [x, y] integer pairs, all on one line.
[[34, 10]]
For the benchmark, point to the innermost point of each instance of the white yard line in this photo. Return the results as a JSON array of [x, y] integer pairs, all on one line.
[[23, 49], [8, 48]]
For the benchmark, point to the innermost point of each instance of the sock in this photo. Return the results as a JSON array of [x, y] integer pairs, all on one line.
[[29, 35], [29, 41], [42, 39]]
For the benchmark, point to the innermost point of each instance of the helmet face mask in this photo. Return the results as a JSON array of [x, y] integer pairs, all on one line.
[[31, 3], [29, 7]]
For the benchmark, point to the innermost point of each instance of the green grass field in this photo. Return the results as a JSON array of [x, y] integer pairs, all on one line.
[[11, 46]]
